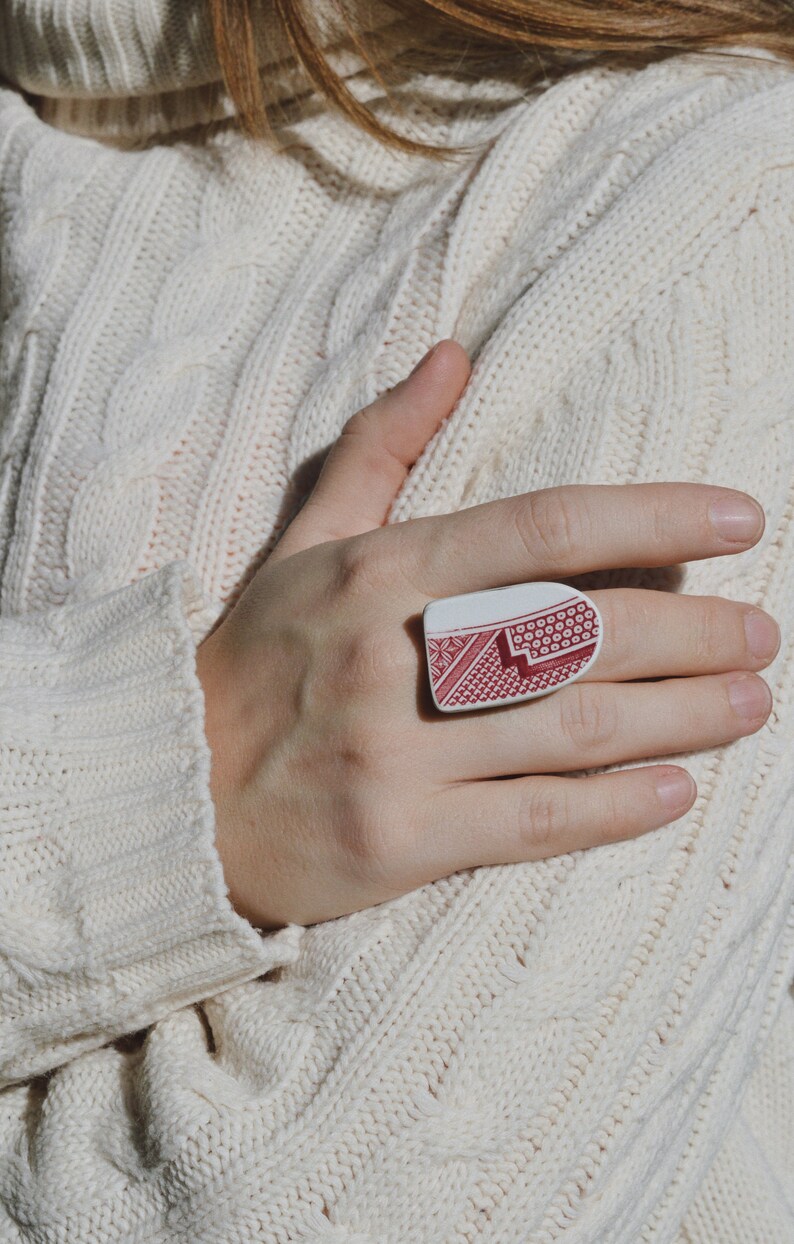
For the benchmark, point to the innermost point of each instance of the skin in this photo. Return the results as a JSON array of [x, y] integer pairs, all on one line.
[[337, 785]]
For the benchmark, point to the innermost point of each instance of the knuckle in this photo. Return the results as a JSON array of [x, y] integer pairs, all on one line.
[[541, 812], [659, 525], [617, 815], [369, 660], [627, 617], [358, 774], [358, 424], [588, 718], [360, 566], [362, 756], [699, 709], [552, 521], [707, 631], [361, 435], [371, 843]]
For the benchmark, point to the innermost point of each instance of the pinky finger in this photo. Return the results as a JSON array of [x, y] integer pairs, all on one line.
[[512, 820]]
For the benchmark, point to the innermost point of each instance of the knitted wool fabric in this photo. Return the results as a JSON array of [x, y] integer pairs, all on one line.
[[595, 1047]]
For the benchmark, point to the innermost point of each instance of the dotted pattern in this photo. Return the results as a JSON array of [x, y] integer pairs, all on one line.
[[553, 632]]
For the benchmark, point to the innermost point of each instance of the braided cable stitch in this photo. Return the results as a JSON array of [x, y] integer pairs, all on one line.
[[577, 1049]]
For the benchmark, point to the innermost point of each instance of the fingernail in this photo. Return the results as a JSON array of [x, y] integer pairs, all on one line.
[[674, 789], [737, 519], [750, 697], [763, 634], [423, 360]]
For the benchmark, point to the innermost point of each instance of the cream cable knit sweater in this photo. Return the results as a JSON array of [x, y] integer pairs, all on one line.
[[597, 1047]]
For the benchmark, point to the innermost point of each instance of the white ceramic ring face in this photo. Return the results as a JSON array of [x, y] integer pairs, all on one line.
[[507, 644]]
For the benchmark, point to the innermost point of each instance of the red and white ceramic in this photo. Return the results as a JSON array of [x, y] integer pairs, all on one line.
[[507, 644]]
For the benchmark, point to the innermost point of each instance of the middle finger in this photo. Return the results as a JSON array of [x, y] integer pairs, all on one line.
[[652, 634]]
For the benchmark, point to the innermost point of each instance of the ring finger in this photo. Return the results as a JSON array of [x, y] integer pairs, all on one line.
[[588, 724]]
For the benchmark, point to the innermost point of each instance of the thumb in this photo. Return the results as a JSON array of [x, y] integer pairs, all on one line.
[[376, 449]]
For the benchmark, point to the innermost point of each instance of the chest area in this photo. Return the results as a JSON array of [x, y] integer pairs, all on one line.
[[180, 344]]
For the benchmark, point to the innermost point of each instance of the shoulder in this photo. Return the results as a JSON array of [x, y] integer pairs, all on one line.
[[692, 126], [613, 183], [733, 107], [713, 125]]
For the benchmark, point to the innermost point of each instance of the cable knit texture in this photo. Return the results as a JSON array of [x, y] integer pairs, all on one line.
[[595, 1047]]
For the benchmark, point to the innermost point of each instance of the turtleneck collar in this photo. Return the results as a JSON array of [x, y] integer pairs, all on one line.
[[128, 69]]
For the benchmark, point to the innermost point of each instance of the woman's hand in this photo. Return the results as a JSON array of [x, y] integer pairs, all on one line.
[[336, 783]]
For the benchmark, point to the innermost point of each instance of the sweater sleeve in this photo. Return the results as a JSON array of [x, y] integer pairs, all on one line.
[[113, 907]]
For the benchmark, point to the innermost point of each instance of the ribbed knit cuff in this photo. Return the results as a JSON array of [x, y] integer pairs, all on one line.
[[114, 910]]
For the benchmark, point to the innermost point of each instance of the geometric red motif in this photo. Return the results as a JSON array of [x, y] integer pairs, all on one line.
[[526, 654]]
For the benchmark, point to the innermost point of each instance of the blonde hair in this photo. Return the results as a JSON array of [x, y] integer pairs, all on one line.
[[539, 32]]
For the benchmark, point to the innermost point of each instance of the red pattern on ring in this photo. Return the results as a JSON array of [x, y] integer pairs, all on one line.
[[530, 654]]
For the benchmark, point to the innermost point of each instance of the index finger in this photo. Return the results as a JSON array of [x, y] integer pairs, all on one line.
[[572, 529]]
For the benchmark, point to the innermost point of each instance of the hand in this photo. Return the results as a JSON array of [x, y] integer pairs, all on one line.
[[336, 783]]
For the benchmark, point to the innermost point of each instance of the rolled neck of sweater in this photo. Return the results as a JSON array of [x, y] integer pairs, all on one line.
[[131, 69]]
